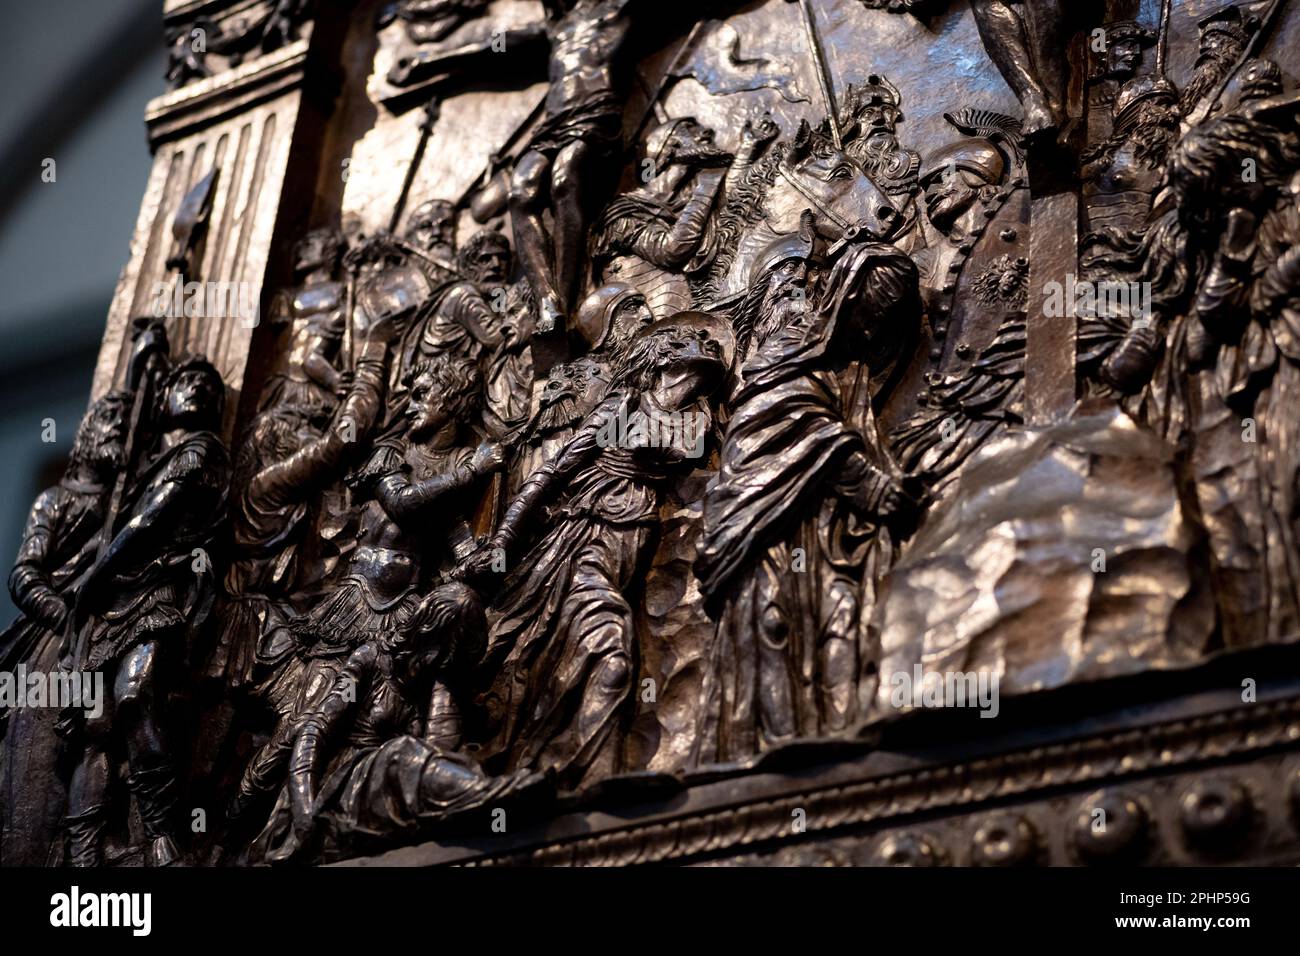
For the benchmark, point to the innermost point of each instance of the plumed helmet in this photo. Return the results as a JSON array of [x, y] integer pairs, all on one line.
[[974, 154], [595, 316], [1129, 30]]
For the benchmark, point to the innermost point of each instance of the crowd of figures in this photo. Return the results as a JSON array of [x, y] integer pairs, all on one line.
[[413, 594]]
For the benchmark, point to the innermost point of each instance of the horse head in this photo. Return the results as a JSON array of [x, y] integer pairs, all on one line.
[[811, 173], [815, 175]]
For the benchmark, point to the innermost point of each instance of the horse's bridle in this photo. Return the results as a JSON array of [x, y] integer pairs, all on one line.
[[849, 231]]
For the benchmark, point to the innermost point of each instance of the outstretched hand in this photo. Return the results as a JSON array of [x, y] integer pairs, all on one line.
[[481, 562]]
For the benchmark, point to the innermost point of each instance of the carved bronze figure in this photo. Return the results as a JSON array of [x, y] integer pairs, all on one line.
[[145, 592], [803, 485], [60, 543], [418, 465], [562, 637], [645, 442]]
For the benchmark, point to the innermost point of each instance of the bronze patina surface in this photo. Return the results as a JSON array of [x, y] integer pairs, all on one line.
[[768, 432]]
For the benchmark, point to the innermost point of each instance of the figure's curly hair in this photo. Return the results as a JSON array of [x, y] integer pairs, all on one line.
[[273, 435], [476, 244], [460, 383], [742, 209], [637, 370]]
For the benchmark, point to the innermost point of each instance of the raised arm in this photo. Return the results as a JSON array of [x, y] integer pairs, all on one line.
[[672, 247], [297, 476], [547, 480]]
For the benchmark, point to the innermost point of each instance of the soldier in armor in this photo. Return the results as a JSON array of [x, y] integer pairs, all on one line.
[[974, 282], [417, 485], [1121, 174], [62, 531], [137, 605]]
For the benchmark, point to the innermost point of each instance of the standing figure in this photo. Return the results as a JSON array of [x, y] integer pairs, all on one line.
[[1224, 35], [509, 371], [1026, 40], [583, 128], [974, 282], [416, 487], [562, 651], [314, 310], [798, 506], [58, 547], [138, 604]]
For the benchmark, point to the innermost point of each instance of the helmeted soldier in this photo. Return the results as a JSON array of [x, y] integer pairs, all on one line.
[[605, 325], [1121, 174], [146, 591], [974, 281]]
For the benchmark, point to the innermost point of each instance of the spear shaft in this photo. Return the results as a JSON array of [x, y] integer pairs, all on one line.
[[823, 72]]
